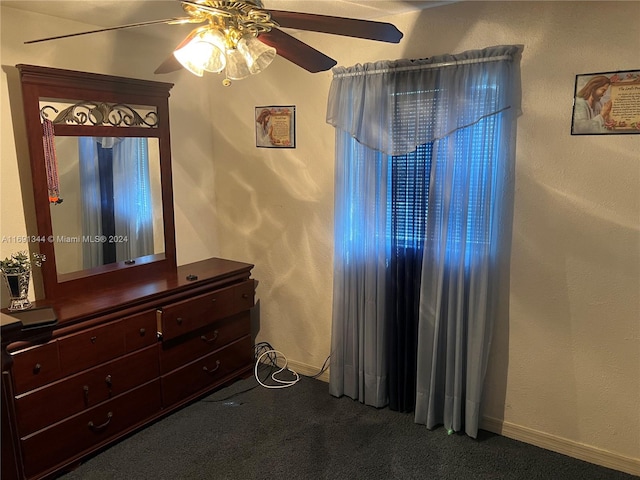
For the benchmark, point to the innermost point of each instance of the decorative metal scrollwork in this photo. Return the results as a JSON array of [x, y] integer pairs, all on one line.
[[97, 114]]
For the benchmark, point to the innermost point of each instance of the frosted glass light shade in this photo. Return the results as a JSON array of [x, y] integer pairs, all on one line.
[[257, 55], [237, 67], [204, 52]]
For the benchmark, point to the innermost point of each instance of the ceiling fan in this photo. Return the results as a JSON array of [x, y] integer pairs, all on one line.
[[243, 37]]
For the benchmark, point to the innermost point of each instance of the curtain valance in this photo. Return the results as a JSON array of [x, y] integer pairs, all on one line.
[[444, 87]]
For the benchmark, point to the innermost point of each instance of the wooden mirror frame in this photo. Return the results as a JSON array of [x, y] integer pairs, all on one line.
[[51, 84]]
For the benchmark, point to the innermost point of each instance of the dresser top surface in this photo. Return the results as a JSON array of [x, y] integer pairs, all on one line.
[[185, 278]]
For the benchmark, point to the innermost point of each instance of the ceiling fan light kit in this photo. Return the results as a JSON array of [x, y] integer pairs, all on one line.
[[229, 41], [205, 51], [242, 38], [258, 55]]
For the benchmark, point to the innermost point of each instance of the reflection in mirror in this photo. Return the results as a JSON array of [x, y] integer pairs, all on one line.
[[111, 208]]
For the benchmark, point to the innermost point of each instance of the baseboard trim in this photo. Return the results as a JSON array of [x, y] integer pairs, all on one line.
[[562, 445], [308, 370]]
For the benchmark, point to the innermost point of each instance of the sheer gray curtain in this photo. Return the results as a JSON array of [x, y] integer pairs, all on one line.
[[359, 345], [463, 105]]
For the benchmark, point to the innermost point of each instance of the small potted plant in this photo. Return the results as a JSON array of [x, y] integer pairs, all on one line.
[[16, 271]]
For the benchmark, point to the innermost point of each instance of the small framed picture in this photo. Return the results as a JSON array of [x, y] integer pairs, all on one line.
[[606, 103], [275, 126]]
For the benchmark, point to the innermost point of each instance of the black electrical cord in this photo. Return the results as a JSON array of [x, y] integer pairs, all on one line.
[[323, 369]]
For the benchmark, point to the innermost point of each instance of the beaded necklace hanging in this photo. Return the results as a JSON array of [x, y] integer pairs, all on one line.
[[51, 162]]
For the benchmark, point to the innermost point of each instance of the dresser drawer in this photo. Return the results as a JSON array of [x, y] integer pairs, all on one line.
[[86, 431], [101, 344], [140, 331], [206, 372], [202, 342], [189, 315], [39, 408], [35, 367]]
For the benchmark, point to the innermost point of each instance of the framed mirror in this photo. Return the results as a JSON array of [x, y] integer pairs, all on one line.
[[100, 157]]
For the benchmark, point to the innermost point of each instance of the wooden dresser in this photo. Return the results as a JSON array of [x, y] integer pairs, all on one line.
[[123, 358]]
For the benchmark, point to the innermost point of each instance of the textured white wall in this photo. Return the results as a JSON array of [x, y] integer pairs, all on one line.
[[565, 365]]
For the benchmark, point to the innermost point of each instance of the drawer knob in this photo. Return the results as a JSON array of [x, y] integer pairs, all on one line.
[[210, 340], [95, 428], [142, 332], [244, 295], [179, 320], [212, 370], [93, 339], [37, 368], [213, 300], [85, 389]]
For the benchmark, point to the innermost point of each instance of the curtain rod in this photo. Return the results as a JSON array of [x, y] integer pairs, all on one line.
[[425, 66]]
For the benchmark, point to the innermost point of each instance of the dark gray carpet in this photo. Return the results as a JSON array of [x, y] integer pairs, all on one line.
[[302, 432]]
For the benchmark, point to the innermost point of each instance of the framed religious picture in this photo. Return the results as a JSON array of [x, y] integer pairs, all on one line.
[[606, 103], [276, 127]]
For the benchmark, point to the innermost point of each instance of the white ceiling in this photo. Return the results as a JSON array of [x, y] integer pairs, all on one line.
[[109, 13]]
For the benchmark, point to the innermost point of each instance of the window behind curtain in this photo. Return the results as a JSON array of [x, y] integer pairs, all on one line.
[[409, 182], [408, 193], [407, 197], [409, 186], [411, 113], [408, 176]]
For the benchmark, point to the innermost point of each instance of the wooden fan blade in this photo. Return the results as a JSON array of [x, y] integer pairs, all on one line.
[[119, 27], [296, 51], [169, 65], [350, 27]]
